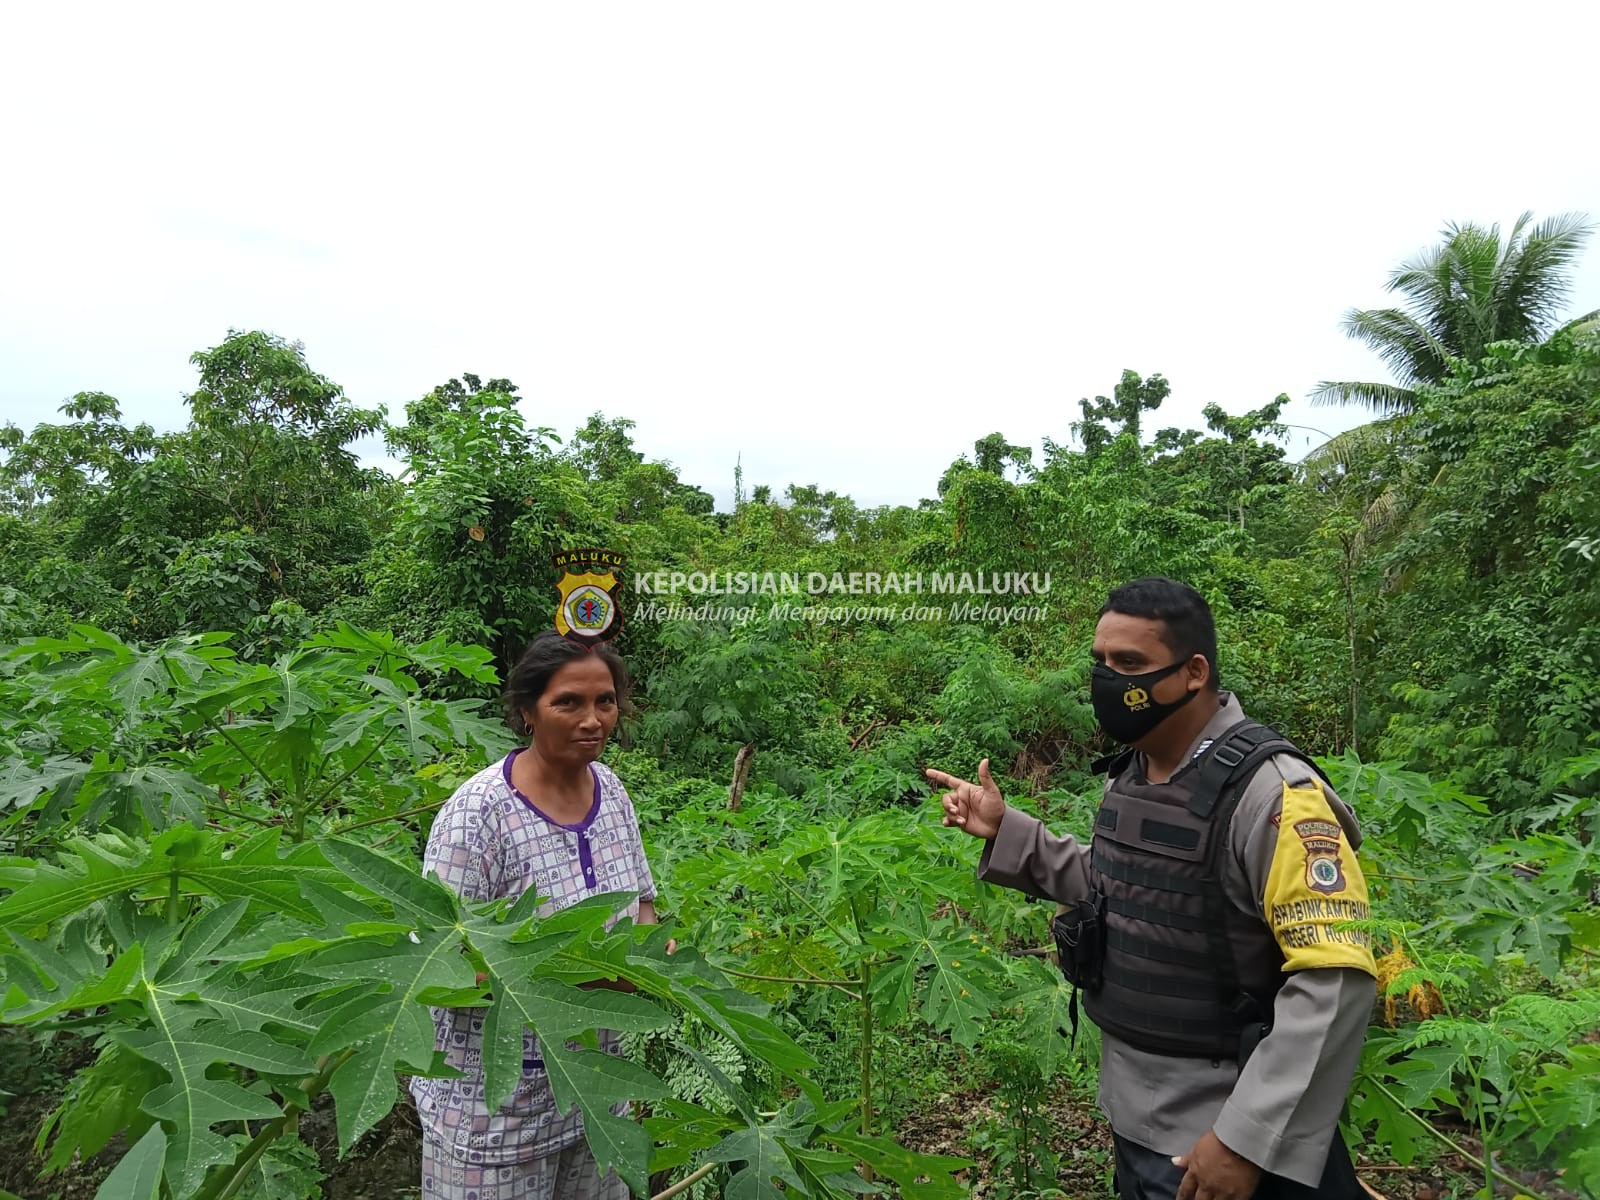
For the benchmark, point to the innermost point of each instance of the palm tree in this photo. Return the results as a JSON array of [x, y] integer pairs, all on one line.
[[1461, 295]]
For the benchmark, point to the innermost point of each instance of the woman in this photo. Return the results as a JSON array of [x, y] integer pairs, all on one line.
[[551, 818]]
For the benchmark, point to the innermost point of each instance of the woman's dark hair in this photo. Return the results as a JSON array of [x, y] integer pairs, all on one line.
[[546, 655], [1186, 623]]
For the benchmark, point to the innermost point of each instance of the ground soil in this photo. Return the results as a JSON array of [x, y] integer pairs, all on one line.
[[1082, 1143]]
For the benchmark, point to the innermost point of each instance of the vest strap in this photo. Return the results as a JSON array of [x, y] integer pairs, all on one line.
[[1112, 764], [1155, 951], [1152, 915], [1246, 743], [1151, 984], [1144, 877]]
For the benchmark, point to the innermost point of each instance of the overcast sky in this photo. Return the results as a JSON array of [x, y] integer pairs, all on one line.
[[840, 240]]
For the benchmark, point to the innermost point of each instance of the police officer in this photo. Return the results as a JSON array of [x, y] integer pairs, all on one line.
[[1232, 995]]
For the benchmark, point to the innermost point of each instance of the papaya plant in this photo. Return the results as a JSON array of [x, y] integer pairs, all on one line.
[[240, 945]]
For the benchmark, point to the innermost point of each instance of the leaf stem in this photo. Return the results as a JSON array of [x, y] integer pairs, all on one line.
[[687, 1182], [846, 984], [243, 753], [243, 816], [172, 672], [816, 912], [1490, 1170], [339, 830], [173, 897], [865, 1000], [228, 1183], [301, 804], [365, 759]]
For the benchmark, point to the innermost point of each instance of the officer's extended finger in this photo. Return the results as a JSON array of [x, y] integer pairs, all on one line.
[[949, 781]]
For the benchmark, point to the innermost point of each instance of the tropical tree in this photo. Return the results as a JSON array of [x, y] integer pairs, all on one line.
[[1462, 295], [259, 500], [1221, 475], [1104, 419]]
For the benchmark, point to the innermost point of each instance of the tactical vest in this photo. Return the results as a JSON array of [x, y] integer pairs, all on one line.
[[1185, 972]]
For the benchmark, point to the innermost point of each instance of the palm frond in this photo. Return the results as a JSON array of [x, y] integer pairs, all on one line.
[[1408, 348], [1582, 326], [1345, 450], [1384, 511], [1382, 398], [1533, 283], [1450, 287]]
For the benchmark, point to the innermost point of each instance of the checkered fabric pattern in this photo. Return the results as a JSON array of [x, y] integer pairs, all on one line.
[[489, 840], [570, 1174]]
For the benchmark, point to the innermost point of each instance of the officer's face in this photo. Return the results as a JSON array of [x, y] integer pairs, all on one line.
[[1132, 645]]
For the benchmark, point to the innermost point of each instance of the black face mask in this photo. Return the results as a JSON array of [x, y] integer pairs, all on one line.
[[1123, 704]]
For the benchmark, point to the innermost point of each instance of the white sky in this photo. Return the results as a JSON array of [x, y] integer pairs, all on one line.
[[842, 240]]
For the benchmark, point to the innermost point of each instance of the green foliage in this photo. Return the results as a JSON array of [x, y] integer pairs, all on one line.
[[1492, 943], [233, 978], [258, 499], [1104, 420], [721, 687], [213, 834], [104, 733], [1501, 616]]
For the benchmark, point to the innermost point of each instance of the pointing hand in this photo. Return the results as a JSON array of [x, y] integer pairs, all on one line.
[[975, 807]]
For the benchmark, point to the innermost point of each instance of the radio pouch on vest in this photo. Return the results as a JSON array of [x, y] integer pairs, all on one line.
[[1080, 933]]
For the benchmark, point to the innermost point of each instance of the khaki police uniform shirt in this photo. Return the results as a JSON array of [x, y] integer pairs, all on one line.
[[1297, 871]]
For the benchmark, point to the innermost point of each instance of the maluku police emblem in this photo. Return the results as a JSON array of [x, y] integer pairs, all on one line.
[[590, 609], [1324, 870]]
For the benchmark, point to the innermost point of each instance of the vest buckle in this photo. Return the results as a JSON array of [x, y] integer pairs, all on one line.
[[1228, 755]]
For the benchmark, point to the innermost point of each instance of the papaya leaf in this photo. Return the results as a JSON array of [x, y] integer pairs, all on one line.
[[99, 869], [414, 896], [1423, 1078], [48, 979], [925, 1176], [185, 1048], [22, 782], [764, 1161], [413, 718], [138, 1175], [387, 1027], [103, 1101], [955, 994], [1045, 1000], [554, 1011], [139, 678], [597, 1082]]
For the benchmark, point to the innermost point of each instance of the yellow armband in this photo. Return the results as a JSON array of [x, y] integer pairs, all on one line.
[[1315, 886]]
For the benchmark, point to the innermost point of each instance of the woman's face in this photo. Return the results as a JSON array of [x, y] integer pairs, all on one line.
[[576, 713]]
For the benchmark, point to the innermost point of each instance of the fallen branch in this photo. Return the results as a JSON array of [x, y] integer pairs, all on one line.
[[862, 736]]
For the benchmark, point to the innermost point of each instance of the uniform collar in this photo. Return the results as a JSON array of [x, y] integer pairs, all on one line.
[[1228, 714]]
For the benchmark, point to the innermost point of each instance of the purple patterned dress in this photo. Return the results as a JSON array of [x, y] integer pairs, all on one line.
[[490, 840]]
